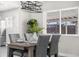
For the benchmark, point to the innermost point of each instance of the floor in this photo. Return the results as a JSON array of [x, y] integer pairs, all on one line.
[[3, 51]]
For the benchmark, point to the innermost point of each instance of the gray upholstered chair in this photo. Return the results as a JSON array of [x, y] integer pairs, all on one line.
[[14, 38], [41, 47], [53, 47]]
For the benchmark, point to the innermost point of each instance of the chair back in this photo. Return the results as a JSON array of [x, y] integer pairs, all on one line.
[[42, 45], [14, 37], [28, 36], [3, 36], [25, 36], [54, 44]]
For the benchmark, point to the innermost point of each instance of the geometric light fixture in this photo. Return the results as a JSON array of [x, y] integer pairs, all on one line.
[[32, 6]]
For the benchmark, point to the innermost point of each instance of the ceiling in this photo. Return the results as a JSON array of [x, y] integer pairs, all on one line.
[[6, 5]]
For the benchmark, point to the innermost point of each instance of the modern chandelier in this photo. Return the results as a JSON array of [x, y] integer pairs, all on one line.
[[32, 6]]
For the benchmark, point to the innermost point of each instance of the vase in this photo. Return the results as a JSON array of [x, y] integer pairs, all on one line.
[[34, 37]]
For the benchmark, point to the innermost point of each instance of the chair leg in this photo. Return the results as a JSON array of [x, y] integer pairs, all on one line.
[[10, 52], [48, 55], [48, 52], [22, 54], [56, 55]]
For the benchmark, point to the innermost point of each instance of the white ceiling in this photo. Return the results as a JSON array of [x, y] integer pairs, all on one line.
[[5, 5]]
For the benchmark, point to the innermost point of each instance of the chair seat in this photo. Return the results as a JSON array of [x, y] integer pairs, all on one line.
[[18, 52]]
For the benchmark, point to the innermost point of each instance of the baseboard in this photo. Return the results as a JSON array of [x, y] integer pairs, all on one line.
[[67, 55]]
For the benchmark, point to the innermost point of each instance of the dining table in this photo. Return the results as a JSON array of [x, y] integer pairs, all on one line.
[[21, 46]]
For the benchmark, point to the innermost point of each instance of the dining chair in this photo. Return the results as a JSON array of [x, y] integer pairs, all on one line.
[[28, 36], [14, 38], [53, 46], [41, 47]]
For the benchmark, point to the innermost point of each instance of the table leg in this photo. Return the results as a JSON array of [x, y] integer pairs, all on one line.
[[30, 51], [10, 52]]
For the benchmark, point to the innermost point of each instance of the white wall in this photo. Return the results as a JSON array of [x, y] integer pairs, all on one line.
[[38, 16], [15, 18], [69, 46], [19, 19]]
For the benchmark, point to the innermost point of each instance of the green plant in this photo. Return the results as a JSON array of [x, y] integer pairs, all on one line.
[[33, 26]]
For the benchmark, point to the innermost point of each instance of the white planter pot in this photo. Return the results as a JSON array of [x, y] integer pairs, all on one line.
[[32, 37]]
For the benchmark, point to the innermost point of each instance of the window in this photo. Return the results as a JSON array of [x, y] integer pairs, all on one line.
[[69, 21], [63, 21], [53, 22]]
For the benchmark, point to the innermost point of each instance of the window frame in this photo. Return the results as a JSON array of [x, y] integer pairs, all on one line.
[[60, 11]]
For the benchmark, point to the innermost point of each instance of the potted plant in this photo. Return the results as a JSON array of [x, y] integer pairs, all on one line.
[[33, 28]]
